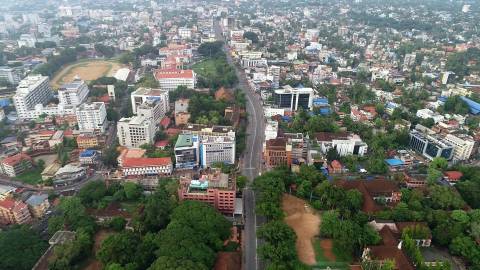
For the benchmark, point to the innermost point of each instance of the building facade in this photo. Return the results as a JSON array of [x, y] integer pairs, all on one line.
[[217, 149], [135, 131], [170, 79], [11, 75], [31, 91], [430, 146], [149, 95], [463, 146], [293, 98], [16, 164], [14, 212], [147, 166], [74, 93], [92, 117], [187, 151]]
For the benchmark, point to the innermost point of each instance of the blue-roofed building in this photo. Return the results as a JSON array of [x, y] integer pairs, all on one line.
[[4, 102], [395, 164], [38, 204], [89, 157], [473, 106], [321, 105]]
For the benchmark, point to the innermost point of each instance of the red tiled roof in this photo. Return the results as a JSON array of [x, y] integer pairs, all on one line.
[[15, 159], [453, 175], [161, 143], [46, 132], [145, 162], [173, 74], [336, 164], [8, 203], [391, 252], [165, 122]]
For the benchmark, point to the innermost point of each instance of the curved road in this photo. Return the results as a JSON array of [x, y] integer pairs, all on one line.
[[251, 163]]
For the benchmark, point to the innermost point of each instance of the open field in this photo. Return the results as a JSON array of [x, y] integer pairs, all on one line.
[[87, 70], [31, 177], [206, 68], [306, 224]]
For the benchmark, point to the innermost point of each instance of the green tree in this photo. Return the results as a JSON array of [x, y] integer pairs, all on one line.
[[279, 246], [20, 248], [443, 197], [156, 212], [118, 248], [169, 263], [132, 191]]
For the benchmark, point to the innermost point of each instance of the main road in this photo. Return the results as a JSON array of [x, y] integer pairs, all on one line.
[[251, 164]]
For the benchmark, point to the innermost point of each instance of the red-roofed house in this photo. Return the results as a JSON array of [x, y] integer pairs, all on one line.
[[452, 176], [147, 166], [335, 167], [161, 144], [16, 164], [14, 212], [170, 79], [165, 122]]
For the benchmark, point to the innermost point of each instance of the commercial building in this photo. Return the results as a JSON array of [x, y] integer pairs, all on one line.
[[151, 96], [68, 175], [31, 91], [430, 146], [14, 212], [89, 157], [187, 151], [85, 141], [147, 166], [170, 79], [217, 149], [216, 189], [277, 153], [11, 75], [135, 131], [38, 204], [151, 109], [344, 143], [463, 145], [74, 93], [16, 164], [92, 117], [293, 98]]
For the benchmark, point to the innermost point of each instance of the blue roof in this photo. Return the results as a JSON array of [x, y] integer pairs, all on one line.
[[88, 153], [394, 162], [474, 106]]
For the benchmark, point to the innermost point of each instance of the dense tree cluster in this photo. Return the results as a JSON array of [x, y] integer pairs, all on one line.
[[54, 63], [20, 248]]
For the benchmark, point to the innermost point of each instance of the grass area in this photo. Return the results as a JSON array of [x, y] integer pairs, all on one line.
[[206, 68], [341, 255], [31, 177], [323, 262]]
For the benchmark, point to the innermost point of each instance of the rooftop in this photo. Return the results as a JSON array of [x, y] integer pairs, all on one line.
[[185, 140], [36, 199], [146, 162], [174, 74]]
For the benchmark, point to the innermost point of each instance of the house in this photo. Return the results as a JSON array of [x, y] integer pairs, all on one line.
[[85, 141], [14, 212], [16, 164], [415, 180], [50, 171], [69, 174], [452, 176], [38, 204]]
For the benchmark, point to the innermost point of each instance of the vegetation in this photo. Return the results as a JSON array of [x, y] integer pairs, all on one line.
[[20, 248], [54, 63]]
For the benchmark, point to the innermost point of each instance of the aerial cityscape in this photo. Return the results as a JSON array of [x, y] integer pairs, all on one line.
[[239, 135]]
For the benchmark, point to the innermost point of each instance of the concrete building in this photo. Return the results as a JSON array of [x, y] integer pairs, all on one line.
[[6, 192], [68, 175], [463, 145], [31, 91], [277, 153], [271, 130], [170, 79], [151, 109], [135, 131], [85, 141], [345, 143], [216, 189], [89, 157], [14, 212], [293, 98], [11, 75], [16, 164], [147, 166], [187, 151], [217, 149], [74, 93], [430, 146], [92, 117], [151, 96], [38, 204]]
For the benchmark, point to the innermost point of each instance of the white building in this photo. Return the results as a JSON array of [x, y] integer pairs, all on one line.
[[170, 79], [74, 93], [217, 149], [27, 40], [271, 130], [31, 91], [12, 75], [147, 166], [269, 112], [345, 144], [185, 33], [92, 117], [135, 131], [293, 98], [142, 95], [463, 146], [426, 113]]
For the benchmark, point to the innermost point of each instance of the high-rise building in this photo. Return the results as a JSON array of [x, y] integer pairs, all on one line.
[[430, 146], [344, 143], [151, 96], [293, 98], [135, 131], [11, 75], [92, 117], [74, 93], [31, 91], [170, 79], [187, 151]]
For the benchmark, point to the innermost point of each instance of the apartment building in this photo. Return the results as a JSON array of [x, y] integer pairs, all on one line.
[[135, 131], [463, 145], [11, 75], [38, 204], [92, 117], [14, 212], [170, 79], [293, 98], [430, 145], [74, 93], [216, 189], [16, 164], [277, 153], [156, 101], [187, 151], [147, 166], [345, 143], [31, 91]]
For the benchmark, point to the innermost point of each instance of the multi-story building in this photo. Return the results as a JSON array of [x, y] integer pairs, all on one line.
[[11, 75], [217, 149], [345, 143], [185, 33], [135, 131], [277, 153], [187, 151], [31, 91], [142, 95], [463, 145], [216, 189], [89, 157], [38, 204], [151, 109], [293, 98], [16, 164], [14, 212], [85, 141], [74, 93], [271, 130], [170, 79], [92, 117], [69, 174], [430, 146], [147, 166]]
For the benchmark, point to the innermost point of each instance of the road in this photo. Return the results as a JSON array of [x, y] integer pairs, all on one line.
[[251, 164]]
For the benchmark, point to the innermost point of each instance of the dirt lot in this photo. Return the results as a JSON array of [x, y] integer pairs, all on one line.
[[87, 70], [305, 223], [327, 245], [93, 263]]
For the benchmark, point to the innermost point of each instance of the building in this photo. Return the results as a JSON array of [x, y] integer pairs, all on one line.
[[217, 149], [147, 166], [50, 171], [151, 96], [74, 93], [182, 118], [31, 91], [11, 75], [56, 139], [85, 141], [89, 157], [277, 153], [271, 130], [14, 212], [170, 79], [344, 143], [187, 151], [130, 153], [181, 105], [216, 189], [68, 175], [463, 145], [135, 131], [6, 191], [430, 146], [16, 164], [151, 109], [293, 98], [92, 117], [38, 204]]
